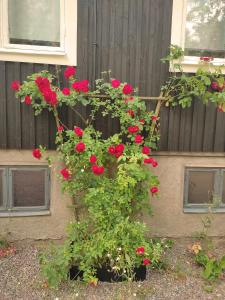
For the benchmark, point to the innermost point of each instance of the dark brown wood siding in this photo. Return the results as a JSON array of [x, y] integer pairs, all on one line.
[[127, 37]]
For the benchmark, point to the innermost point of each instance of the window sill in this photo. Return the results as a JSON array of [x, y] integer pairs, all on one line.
[[5, 214], [202, 210]]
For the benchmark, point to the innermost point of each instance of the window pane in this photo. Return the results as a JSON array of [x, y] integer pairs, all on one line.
[[1, 188], [34, 22], [28, 187], [200, 189], [205, 23]]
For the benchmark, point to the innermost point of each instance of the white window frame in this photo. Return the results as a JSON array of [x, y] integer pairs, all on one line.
[[66, 54], [190, 64]]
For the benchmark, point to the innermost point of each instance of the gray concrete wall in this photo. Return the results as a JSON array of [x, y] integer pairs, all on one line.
[[168, 218]]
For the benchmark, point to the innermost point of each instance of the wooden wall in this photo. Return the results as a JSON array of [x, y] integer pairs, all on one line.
[[127, 37]]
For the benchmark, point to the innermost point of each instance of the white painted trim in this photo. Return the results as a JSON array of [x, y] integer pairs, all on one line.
[[66, 54], [190, 64]]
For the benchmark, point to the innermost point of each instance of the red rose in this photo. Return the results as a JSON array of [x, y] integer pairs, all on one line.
[[146, 261], [119, 148], [154, 163], [127, 89], [140, 250], [27, 100], [93, 159], [148, 160], [65, 173], [97, 170], [133, 129], [206, 58], [78, 131], [138, 139], [66, 91], [15, 85], [50, 96], [154, 118], [142, 121], [43, 83], [60, 128], [81, 86], [36, 153], [80, 147], [130, 112], [111, 150], [146, 150], [115, 83], [154, 190], [70, 71]]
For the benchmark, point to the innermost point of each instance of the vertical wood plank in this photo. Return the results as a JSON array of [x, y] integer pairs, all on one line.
[[3, 106]]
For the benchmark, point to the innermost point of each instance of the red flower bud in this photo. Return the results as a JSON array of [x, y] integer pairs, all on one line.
[[27, 100], [127, 89], [138, 139], [36, 153], [148, 160], [111, 150], [15, 85], [97, 170], [70, 71], [66, 91], [154, 118], [115, 83], [60, 128], [130, 112], [65, 173], [154, 190], [146, 261], [133, 129], [78, 131], [140, 250], [80, 147], [146, 150], [93, 159]]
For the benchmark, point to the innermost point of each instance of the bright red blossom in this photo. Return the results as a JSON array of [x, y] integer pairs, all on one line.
[[138, 139], [115, 83], [70, 71], [27, 100], [127, 89], [148, 160], [15, 85], [65, 173], [154, 118], [36, 153], [97, 170], [111, 150], [140, 250], [81, 86], [80, 147], [146, 261], [60, 128], [78, 131], [93, 159], [154, 190], [154, 163], [133, 129], [66, 91], [130, 112], [146, 150]]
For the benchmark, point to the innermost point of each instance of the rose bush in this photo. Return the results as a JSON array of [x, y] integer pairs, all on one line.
[[110, 180]]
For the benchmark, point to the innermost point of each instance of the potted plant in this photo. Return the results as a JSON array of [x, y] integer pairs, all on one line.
[[110, 180]]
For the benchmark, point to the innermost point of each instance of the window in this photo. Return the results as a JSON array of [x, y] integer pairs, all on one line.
[[198, 27], [24, 190], [41, 31], [204, 190]]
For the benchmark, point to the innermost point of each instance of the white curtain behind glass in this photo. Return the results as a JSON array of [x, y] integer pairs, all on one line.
[[34, 20], [205, 25]]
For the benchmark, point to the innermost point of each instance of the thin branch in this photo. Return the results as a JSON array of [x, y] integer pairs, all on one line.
[[79, 115], [141, 97]]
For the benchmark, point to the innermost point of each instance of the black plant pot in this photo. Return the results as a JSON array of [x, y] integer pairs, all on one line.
[[104, 275]]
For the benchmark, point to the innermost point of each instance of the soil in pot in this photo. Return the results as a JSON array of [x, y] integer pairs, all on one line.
[[103, 274]]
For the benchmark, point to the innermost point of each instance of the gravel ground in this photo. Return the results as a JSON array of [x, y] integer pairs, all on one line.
[[20, 279]]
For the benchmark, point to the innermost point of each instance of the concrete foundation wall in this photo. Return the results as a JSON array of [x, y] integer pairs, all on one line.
[[168, 218]]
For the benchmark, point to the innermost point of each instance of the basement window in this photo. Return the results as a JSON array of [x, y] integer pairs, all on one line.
[[198, 27], [204, 190], [24, 190]]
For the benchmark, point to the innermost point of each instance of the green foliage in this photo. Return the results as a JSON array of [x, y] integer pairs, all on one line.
[[206, 85], [108, 207], [213, 268]]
